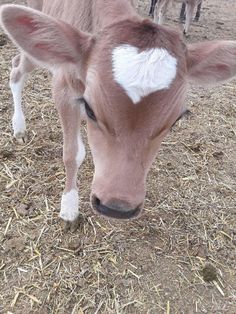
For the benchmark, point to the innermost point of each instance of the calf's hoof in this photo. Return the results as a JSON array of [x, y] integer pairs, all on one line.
[[71, 226], [19, 128], [20, 138], [186, 35]]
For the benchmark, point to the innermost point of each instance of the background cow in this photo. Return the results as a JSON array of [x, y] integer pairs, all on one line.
[[158, 10]]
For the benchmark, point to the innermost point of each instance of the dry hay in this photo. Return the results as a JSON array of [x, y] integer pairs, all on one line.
[[156, 264]]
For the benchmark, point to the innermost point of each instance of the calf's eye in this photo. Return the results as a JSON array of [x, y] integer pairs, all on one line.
[[89, 111]]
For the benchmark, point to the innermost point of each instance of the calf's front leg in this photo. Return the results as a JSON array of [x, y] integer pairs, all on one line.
[[73, 153]]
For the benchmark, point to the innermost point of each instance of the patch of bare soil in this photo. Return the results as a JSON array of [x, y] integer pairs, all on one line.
[[180, 257]]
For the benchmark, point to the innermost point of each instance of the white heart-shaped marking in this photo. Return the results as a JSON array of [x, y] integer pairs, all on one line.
[[142, 73]]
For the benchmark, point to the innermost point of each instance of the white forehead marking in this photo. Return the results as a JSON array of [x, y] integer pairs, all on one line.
[[142, 73]]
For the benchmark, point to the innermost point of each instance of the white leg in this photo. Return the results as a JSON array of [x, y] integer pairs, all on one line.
[[70, 198], [160, 11], [161, 18], [18, 119], [73, 150], [81, 151], [20, 67], [70, 206]]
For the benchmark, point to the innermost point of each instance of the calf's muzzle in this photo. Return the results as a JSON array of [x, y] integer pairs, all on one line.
[[115, 209]]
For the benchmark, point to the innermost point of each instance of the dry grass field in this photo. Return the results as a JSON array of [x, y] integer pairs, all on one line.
[[179, 257]]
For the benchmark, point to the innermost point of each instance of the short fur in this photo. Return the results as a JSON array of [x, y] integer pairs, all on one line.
[[75, 40]]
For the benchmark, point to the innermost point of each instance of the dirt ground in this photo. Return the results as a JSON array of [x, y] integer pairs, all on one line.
[[156, 264]]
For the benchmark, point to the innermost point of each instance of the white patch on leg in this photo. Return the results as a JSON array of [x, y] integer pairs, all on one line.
[[18, 124], [142, 73], [70, 205], [81, 151], [18, 119]]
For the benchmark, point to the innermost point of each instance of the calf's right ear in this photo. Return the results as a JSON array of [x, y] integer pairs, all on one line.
[[45, 39], [211, 63]]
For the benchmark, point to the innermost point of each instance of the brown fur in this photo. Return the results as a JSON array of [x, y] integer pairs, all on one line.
[[125, 138]]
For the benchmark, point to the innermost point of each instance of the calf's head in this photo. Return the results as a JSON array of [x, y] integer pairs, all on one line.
[[134, 76]]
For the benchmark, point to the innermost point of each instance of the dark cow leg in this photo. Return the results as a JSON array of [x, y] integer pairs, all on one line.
[[152, 7], [182, 13], [197, 16]]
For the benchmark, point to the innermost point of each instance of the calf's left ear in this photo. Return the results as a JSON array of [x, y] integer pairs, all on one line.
[[47, 40], [211, 63]]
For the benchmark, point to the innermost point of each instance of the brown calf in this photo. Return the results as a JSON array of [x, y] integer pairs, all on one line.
[[127, 74], [159, 9]]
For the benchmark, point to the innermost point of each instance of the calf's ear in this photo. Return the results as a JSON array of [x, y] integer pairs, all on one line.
[[45, 39], [211, 63]]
